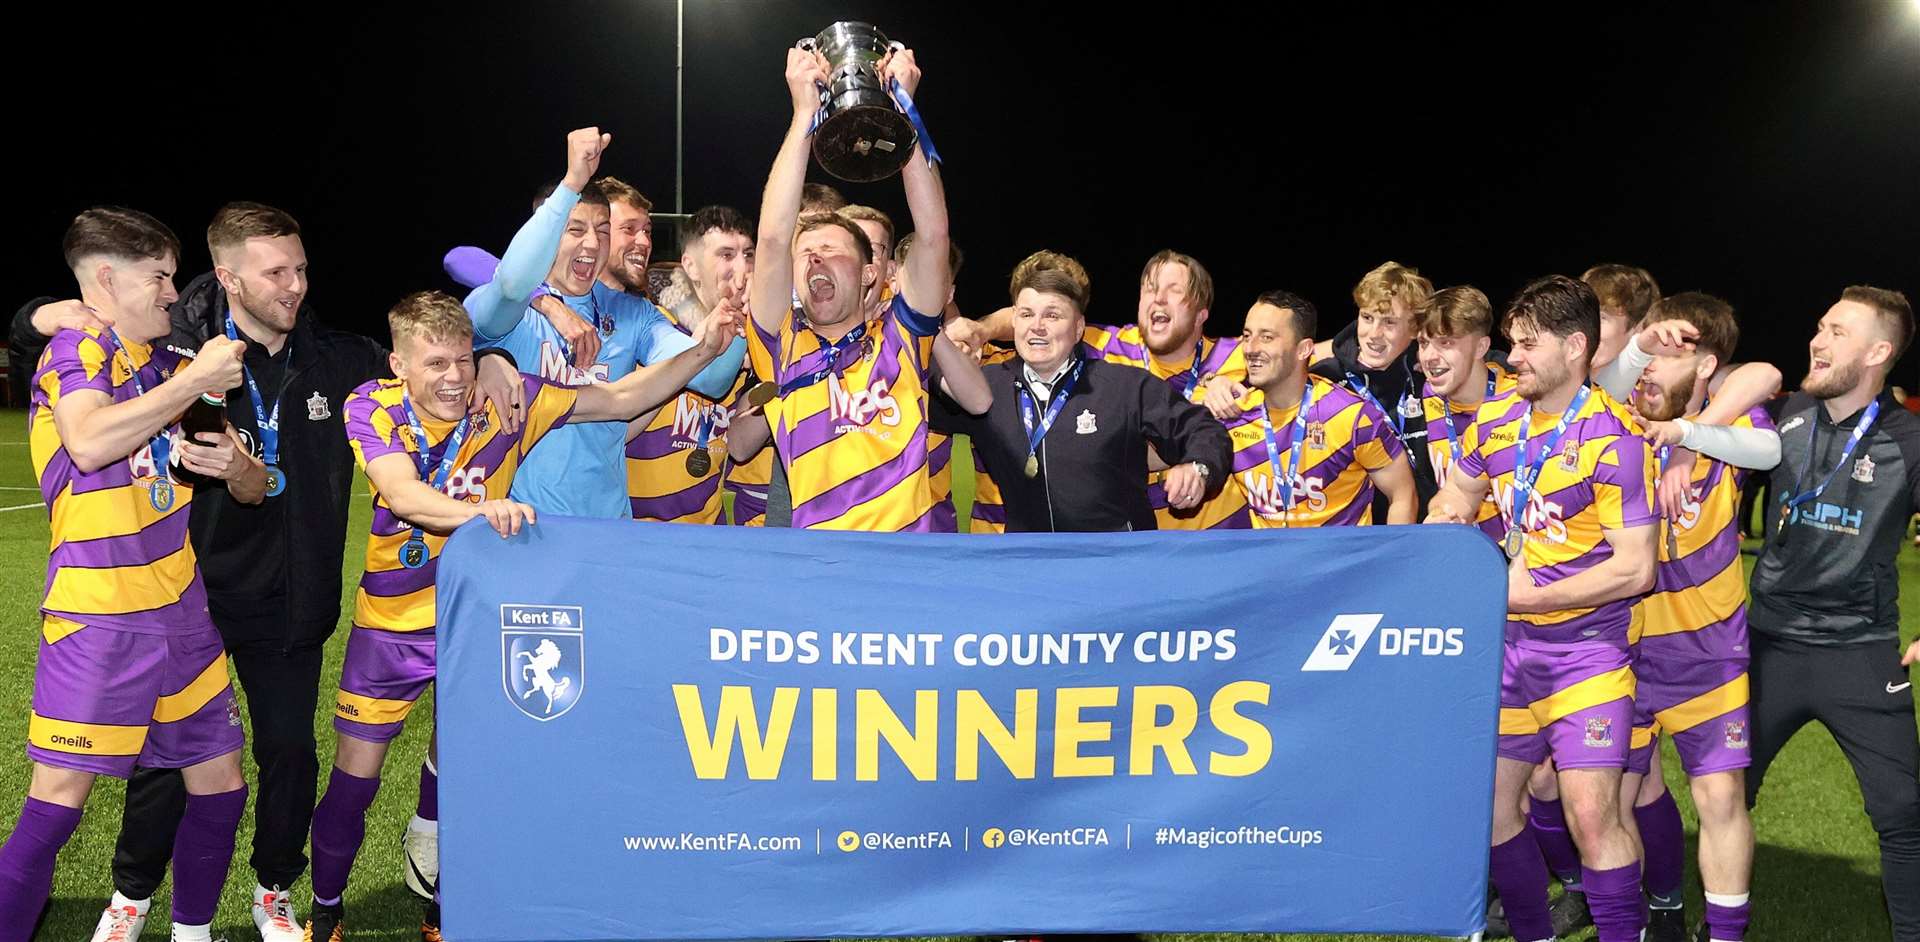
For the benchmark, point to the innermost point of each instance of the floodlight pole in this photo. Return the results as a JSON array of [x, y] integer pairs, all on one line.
[[679, 105]]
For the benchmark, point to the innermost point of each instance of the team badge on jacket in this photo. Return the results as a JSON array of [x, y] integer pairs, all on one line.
[[1570, 456], [1863, 470], [317, 408], [1083, 423]]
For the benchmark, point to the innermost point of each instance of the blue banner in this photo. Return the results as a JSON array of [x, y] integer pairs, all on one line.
[[655, 731]]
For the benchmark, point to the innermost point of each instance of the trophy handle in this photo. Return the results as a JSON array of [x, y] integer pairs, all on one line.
[[896, 46], [806, 45]]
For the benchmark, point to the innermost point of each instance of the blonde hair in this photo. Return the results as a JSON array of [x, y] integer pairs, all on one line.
[[1629, 288], [429, 315], [859, 213], [1199, 281], [1376, 291], [1462, 311]]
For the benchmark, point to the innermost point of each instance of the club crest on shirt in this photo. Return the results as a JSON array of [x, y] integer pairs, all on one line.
[[1863, 470], [480, 424], [1317, 436], [317, 407], [1083, 423], [1736, 734], [1570, 457], [605, 323], [1599, 732]]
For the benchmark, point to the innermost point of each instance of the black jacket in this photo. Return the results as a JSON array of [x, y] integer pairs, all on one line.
[[1833, 575], [1093, 462], [273, 571], [1388, 386]]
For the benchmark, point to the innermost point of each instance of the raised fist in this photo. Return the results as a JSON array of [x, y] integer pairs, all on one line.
[[584, 149]]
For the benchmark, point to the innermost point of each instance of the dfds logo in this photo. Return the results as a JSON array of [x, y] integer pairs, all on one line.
[[1348, 635]]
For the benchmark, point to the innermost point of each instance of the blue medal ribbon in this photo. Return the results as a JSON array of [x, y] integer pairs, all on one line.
[[1285, 480], [1193, 374], [267, 423], [1526, 472], [1395, 418], [161, 491], [1056, 402], [438, 480], [830, 355], [1446, 422], [905, 101], [1791, 503]]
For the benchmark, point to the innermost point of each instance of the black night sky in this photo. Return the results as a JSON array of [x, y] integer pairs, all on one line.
[[1765, 153]]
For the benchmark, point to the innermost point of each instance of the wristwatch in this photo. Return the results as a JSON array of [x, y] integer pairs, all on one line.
[[1202, 470]]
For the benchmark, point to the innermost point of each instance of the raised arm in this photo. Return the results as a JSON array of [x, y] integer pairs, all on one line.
[[927, 279], [772, 295], [649, 386], [496, 306], [96, 431]]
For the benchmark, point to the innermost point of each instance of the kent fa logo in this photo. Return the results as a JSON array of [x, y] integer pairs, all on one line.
[[542, 658], [1343, 641]]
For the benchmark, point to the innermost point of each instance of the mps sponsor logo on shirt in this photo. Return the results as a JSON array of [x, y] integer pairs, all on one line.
[[1347, 636], [543, 669]]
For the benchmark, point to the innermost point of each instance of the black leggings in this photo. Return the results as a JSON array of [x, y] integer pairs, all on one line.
[[1862, 695]]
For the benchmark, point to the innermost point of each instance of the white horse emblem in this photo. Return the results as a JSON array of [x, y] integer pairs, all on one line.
[[538, 670]]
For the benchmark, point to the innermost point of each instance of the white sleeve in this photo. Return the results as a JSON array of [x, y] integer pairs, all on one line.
[[1756, 449], [1619, 377]]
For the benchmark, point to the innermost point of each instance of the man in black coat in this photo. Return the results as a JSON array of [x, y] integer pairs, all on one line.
[[1071, 446]]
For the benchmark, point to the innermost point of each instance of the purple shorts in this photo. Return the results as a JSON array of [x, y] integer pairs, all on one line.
[[105, 700], [1569, 701], [749, 507], [1701, 703], [382, 676]]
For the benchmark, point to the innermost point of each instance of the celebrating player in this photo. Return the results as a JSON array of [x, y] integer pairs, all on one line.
[[433, 467], [1571, 480], [131, 669], [583, 471], [850, 425], [1307, 452]]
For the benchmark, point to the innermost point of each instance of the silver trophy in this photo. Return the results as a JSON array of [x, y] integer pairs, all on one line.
[[864, 137]]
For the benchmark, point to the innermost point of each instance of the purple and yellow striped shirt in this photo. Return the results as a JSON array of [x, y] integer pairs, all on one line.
[[1595, 481], [855, 442], [115, 561], [1341, 445], [393, 598], [1126, 345], [1698, 606]]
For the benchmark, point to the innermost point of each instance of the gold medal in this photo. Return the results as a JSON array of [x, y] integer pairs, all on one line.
[[1033, 466], [1516, 542], [699, 462], [760, 394]]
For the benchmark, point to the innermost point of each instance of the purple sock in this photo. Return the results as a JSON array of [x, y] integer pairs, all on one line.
[[429, 807], [26, 864], [339, 827], [1520, 876], [1613, 896], [202, 851], [1728, 923], [1666, 846], [1549, 822]]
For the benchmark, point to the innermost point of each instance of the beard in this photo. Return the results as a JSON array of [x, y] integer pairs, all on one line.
[[628, 279], [1674, 400], [265, 308], [1840, 379]]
